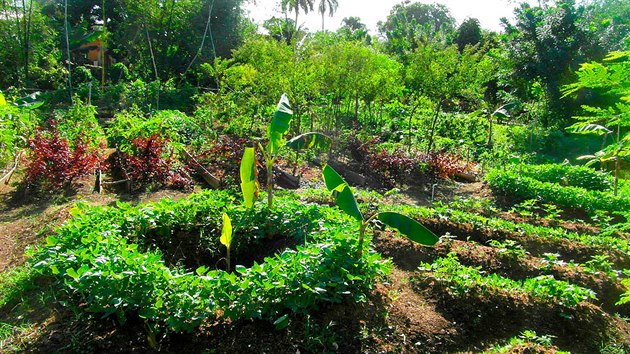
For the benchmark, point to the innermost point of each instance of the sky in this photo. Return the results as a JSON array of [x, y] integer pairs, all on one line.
[[488, 12]]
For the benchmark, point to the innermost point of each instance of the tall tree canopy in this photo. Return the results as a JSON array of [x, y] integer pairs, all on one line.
[[409, 26], [546, 44]]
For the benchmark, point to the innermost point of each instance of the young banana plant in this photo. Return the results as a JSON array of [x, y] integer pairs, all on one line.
[[275, 134], [346, 201], [226, 237]]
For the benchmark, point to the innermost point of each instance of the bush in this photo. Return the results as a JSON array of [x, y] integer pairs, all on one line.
[[15, 128], [55, 164], [177, 127], [151, 160]]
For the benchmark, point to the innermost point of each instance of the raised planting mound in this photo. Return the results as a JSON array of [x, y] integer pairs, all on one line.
[[159, 261], [480, 301], [538, 240], [518, 187], [566, 175]]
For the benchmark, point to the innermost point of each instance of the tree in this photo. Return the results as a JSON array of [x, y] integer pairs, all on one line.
[[324, 5], [353, 29], [409, 26], [468, 33], [445, 76], [546, 45], [296, 5], [611, 81], [282, 29]]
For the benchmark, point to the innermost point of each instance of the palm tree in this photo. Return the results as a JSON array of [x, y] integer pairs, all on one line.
[[330, 5], [295, 5]]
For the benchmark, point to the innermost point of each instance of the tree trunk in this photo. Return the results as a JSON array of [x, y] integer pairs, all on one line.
[[413, 111], [433, 123], [65, 11], [490, 133], [323, 20]]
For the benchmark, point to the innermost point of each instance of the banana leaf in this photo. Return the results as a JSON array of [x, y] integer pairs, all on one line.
[[279, 125], [310, 141], [344, 197], [32, 101], [249, 177], [409, 227]]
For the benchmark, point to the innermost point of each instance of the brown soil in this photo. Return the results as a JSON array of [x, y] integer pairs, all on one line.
[[404, 313]]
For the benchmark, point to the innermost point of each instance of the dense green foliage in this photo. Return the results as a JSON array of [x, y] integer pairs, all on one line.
[[517, 187], [104, 258], [461, 280], [567, 175]]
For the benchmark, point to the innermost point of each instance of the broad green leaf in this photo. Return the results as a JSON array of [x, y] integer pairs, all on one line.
[[3, 102], [409, 227], [249, 178], [332, 179], [87, 38], [501, 113], [310, 141], [282, 322], [591, 128], [72, 273], [226, 232], [343, 194], [346, 202], [32, 101], [279, 124]]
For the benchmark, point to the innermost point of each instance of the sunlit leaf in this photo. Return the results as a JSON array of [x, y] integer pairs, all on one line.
[[409, 227], [32, 101], [226, 232], [332, 179], [282, 322], [346, 202], [591, 128], [3, 102], [249, 178], [279, 124], [310, 141], [343, 194]]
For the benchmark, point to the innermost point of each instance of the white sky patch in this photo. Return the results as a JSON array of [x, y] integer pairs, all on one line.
[[488, 12]]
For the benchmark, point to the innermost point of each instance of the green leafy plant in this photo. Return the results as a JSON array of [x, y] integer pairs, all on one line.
[[461, 279], [610, 78], [509, 249], [275, 135], [566, 175], [103, 258], [346, 201], [518, 187], [226, 236]]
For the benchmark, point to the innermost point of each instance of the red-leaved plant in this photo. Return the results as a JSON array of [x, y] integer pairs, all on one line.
[[152, 162], [55, 164]]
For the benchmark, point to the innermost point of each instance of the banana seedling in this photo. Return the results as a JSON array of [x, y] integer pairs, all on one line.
[[275, 134], [346, 201], [226, 237]]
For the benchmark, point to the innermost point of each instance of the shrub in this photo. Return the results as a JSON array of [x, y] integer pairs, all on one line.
[[55, 164], [151, 161]]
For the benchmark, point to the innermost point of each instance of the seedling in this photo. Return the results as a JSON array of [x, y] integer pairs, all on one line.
[[226, 237], [275, 134], [347, 202]]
